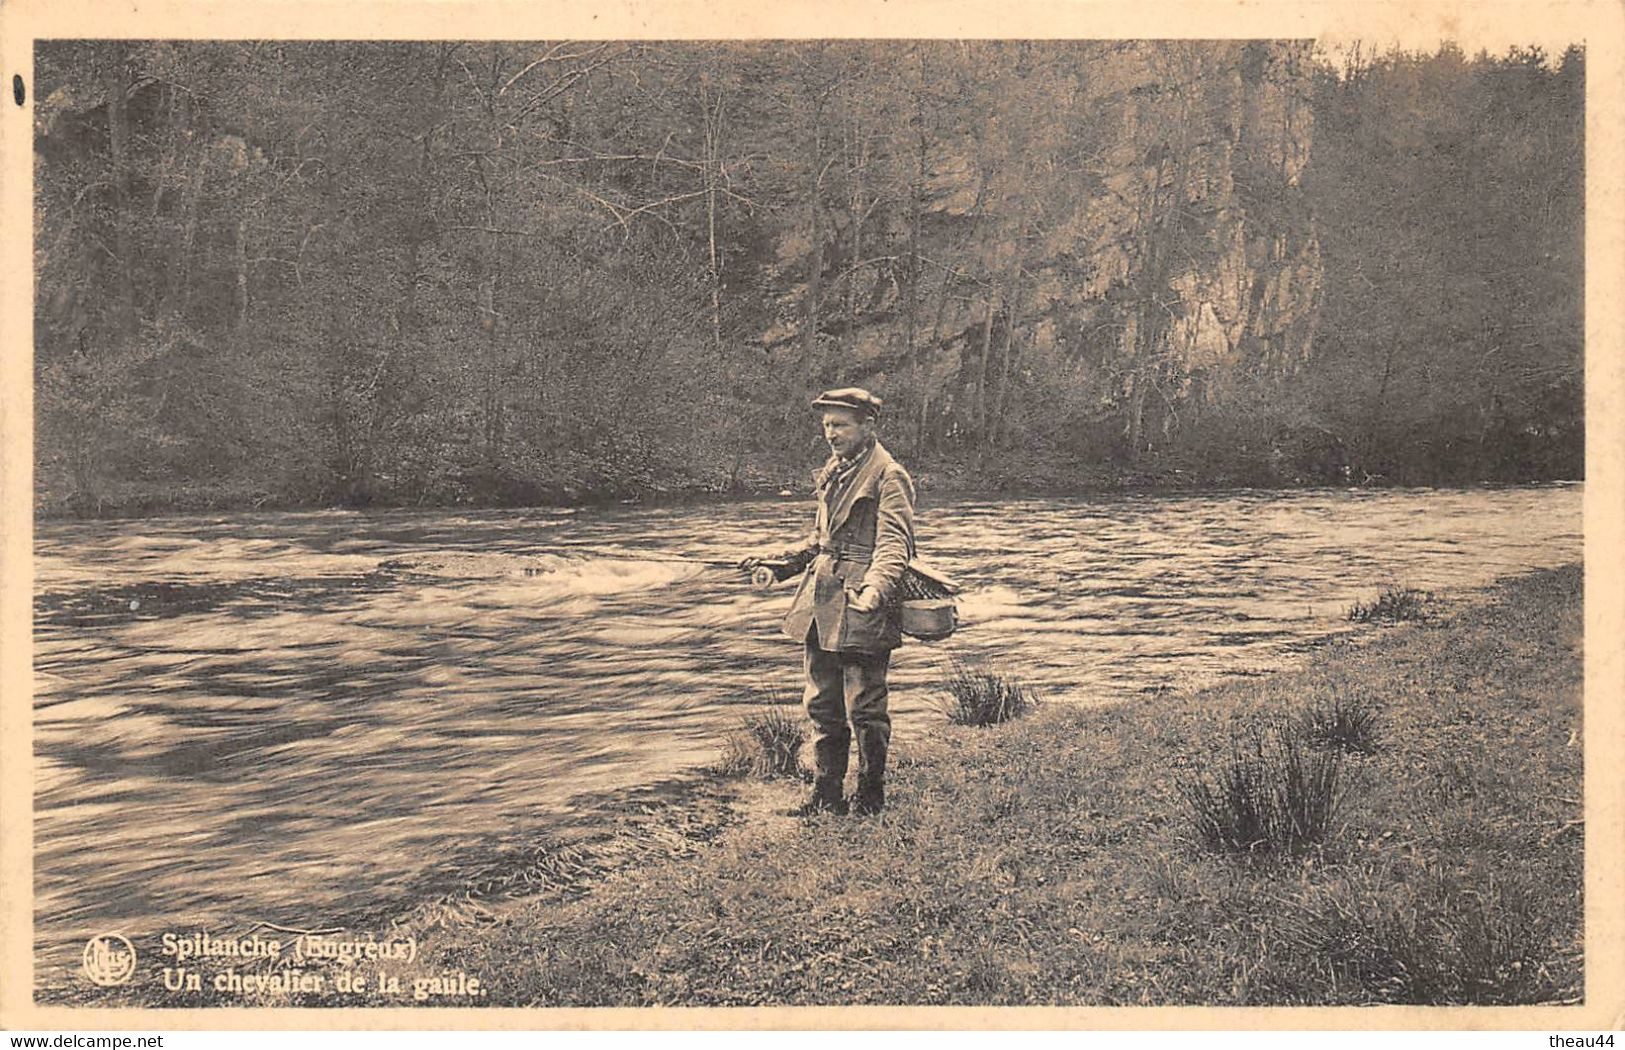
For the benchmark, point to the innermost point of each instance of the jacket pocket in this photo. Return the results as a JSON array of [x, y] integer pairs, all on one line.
[[870, 631]]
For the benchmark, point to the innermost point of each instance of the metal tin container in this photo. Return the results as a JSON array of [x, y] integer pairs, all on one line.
[[929, 619]]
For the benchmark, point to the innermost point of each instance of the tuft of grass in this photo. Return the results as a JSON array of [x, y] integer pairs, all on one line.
[[1435, 939], [1272, 792], [975, 695], [1345, 722], [1393, 605], [765, 745]]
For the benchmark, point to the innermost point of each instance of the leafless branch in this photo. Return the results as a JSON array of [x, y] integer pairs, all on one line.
[[564, 83], [551, 56]]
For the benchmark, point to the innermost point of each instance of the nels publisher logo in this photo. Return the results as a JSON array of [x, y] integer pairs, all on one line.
[[109, 960]]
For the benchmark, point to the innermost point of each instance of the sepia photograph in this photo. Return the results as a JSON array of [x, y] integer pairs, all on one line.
[[924, 519]]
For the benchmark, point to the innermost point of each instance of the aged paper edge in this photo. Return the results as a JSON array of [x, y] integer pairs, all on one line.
[[1416, 23]]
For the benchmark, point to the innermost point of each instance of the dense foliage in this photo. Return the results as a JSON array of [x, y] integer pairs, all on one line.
[[1450, 201], [281, 273]]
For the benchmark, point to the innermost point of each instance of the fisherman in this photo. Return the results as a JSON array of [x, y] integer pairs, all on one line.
[[845, 610]]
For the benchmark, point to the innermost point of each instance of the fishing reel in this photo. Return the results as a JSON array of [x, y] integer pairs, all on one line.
[[764, 574]]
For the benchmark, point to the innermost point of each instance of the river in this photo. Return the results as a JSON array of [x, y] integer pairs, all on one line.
[[290, 716]]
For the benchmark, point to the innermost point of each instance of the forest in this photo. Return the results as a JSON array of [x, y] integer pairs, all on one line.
[[292, 274]]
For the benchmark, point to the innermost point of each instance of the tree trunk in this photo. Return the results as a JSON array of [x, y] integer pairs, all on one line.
[[180, 291], [421, 227], [850, 336], [1144, 322], [1136, 414], [916, 356], [118, 138], [713, 119], [948, 277], [1012, 317], [1373, 442], [1152, 321], [815, 267], [491, 387], [981, 382], [240, 261]]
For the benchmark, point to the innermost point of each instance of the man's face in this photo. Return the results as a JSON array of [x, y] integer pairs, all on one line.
[[847, 431]]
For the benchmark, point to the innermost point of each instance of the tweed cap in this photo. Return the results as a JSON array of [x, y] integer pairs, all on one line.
[[855, 398]]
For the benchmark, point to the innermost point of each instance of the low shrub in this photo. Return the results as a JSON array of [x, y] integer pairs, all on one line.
[[1272, 792], [974, 695], [765, 745], [1346, 723], [1393, 605]]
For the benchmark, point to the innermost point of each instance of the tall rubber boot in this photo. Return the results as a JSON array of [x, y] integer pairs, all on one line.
[[830, 755], [870, 798]]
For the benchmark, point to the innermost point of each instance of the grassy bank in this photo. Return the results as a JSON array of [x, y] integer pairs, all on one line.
[[1051, 860], [1055, 859]]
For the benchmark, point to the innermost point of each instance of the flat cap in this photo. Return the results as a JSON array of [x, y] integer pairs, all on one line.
[[853, 397]]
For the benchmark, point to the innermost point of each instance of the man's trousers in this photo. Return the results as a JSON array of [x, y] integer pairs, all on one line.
[[847, 687]]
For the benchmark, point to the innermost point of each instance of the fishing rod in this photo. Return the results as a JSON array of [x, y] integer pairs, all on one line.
[[918, 583], [925, 601], [762, 576]]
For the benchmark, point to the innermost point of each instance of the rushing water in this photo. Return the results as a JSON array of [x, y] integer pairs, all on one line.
[[288, 717]]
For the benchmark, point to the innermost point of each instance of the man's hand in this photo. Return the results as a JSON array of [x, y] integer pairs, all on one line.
[[752, 561], [867, 600], [771, 566]]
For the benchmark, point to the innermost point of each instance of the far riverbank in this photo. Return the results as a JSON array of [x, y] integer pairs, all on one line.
[[137, 500]]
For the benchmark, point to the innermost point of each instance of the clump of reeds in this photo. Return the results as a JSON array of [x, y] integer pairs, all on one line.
[[1346, 723], [766, 745], [1273, 791], [976, 695], [1438, 940], [1393, 605]]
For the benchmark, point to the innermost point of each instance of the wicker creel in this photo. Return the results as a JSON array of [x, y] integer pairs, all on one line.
[[926, 604]]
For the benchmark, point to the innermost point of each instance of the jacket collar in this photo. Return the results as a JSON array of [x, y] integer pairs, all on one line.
[[865, 481], [825, 474]]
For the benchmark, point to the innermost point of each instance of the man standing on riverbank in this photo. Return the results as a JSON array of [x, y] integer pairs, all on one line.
[[844, 612]]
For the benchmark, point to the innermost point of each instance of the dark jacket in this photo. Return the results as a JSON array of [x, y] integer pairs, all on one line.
[[864, 537]]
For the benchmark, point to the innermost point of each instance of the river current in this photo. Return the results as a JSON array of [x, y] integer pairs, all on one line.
[[287, 717]]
